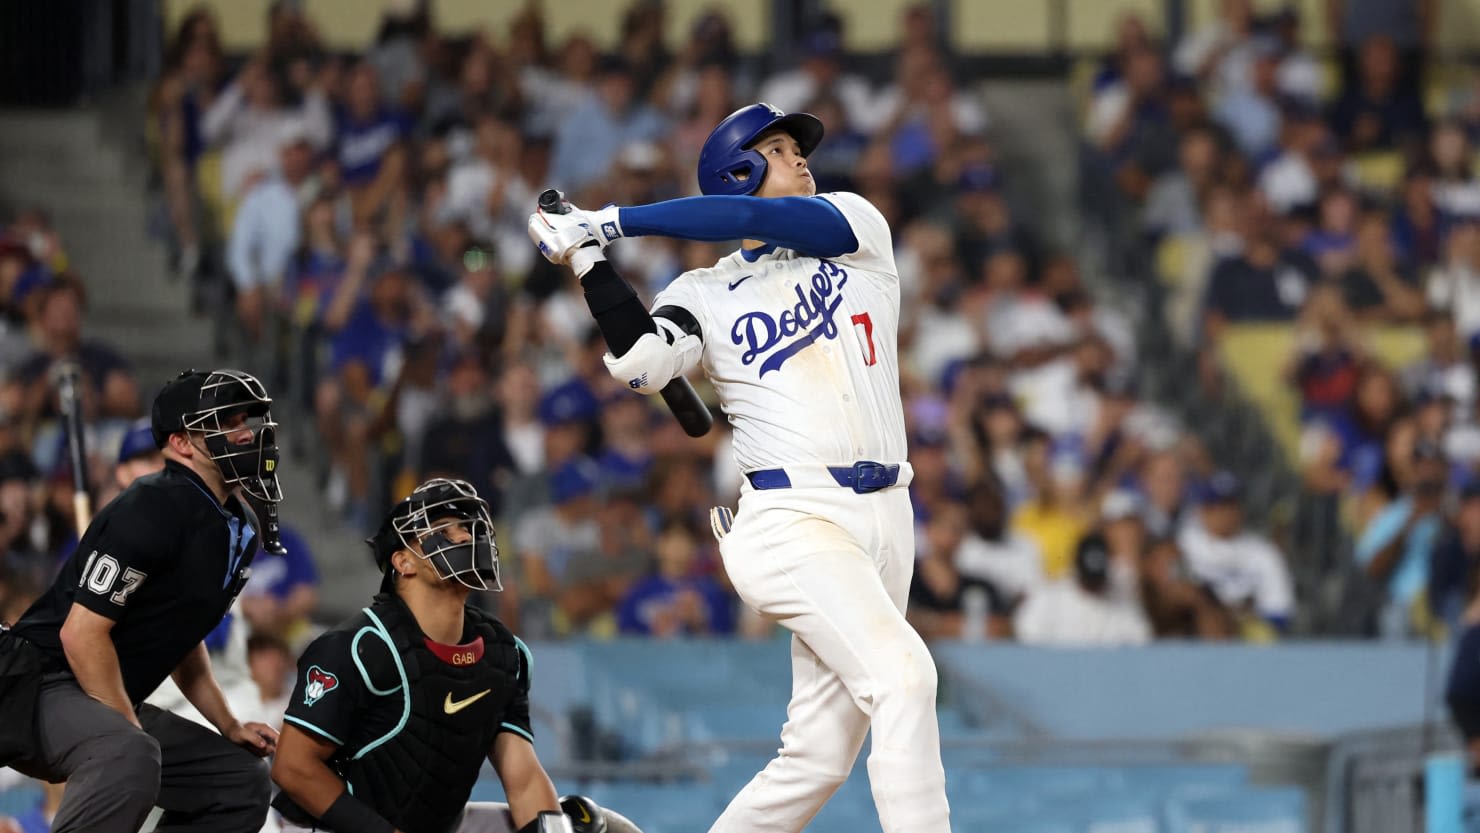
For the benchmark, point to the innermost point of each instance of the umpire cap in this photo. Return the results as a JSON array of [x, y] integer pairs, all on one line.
[[727, 163]]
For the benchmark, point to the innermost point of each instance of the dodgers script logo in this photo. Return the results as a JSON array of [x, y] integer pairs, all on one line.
[[319, 683], [814, 312]]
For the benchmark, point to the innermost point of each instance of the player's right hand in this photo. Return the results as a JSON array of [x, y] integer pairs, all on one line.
[[558, 236]]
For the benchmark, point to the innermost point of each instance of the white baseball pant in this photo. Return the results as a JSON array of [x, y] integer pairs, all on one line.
[[834, 568]]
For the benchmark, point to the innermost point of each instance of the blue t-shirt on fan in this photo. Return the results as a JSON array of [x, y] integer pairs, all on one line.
[[362, 144]]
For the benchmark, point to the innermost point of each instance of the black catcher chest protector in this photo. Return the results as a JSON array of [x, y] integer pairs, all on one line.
[[420, 773]]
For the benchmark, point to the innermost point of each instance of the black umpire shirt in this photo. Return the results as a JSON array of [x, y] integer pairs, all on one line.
[[164, 561]]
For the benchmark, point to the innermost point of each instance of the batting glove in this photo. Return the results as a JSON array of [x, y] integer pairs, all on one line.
[[605, 224], [565, 239]]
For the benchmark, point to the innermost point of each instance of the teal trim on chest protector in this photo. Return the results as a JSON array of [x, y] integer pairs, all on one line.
[[528, 657], [385, 634]]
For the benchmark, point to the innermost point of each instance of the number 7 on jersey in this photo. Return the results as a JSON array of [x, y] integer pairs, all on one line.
[[863, 320]]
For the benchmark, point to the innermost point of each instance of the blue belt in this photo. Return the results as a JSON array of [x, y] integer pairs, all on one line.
[[862, 477]]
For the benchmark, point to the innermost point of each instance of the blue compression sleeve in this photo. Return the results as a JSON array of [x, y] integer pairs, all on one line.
[[808, 225]]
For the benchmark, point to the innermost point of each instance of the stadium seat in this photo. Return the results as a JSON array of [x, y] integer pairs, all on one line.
[[1253, 354], [1380, 171], [1168, 781], [1265, 810], [1398, 346], [1173, 254]]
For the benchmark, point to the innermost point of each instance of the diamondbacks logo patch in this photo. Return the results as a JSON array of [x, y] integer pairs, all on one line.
[[320, 682]]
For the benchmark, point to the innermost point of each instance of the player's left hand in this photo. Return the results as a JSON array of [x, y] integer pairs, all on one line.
[[257, 738]]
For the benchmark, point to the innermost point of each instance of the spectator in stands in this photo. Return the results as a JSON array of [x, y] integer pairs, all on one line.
[[818, 73], [589, 138], [1417, 232], [1377, 287], [1344, 451], [1455, 188], [1178, 606], [596, 582], [939, 587], [1163, 483], [996, 553], [370, 148], [548, 539], [1053, 517], [193, 72], [271, 661], [1221, 52], [248, 119], [1454, 285], [1309, 160], [137, 456], [283, 593], [1261, 284], [1130, 123], [626, 456], [1396, 546], [1300, 75], [466, 440], [1462, 690], [1328, 356], [1331, 244], [1243, 568], [1376, 112], [1454, 567], [368, 322], [1098, 605], [265, 233], [19, 505], [524, 435], [1250, 111], [490, 191], [57, 335], [1174, 204], [673, 601], [1444, 367]]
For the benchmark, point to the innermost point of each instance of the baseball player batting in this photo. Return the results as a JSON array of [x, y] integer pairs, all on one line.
[[798, 333]]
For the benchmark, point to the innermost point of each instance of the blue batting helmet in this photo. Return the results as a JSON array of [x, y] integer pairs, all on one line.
[[727, 165]]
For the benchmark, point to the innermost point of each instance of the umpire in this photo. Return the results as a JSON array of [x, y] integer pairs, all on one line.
[[153, 574]]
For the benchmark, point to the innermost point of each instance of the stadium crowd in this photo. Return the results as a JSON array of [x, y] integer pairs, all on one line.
[[1336, 197], [358, 221]]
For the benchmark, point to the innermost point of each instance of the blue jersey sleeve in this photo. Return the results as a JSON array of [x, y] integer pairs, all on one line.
[[809, 225]]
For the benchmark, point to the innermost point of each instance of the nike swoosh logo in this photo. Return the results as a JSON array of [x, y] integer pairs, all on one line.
[[740, 281], [453, 707], [585, 816]]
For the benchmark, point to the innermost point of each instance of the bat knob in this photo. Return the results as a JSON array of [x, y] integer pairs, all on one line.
[[553, 202]]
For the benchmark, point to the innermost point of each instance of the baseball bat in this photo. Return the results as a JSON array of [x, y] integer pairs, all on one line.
[[67, 376], [621, 332]]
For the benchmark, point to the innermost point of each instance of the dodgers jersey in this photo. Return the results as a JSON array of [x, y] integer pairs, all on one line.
[[803, 351]]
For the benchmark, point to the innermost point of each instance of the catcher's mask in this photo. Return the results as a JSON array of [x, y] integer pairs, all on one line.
[[425, 523], [210, 404]]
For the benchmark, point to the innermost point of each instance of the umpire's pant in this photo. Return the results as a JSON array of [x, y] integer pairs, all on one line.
[[115, 773]]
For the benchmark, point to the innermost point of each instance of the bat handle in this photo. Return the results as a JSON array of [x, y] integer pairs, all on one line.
[[81, 511], [553, 202]]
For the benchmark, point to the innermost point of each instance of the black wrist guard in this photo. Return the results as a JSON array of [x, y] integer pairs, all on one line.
[[350, 815]]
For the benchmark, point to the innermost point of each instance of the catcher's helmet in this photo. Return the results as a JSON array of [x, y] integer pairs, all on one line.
[[728, 165], [208, 403], [423, 522]]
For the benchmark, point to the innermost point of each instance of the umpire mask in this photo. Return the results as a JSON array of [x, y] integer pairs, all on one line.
[[427, 522], [252, 465]]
